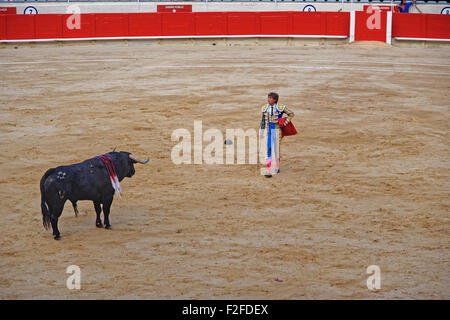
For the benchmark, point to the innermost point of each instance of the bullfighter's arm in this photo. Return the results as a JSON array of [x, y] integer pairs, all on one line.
[[289, 114]]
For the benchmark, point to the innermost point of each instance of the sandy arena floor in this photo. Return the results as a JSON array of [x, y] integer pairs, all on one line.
[[366, 182]]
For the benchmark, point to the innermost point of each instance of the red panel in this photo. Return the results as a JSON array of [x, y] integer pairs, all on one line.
[[144, 24], [364, 20], [337, 23], [49, 26], [243, 23], [174, 8], [20, 26], [87, 26], [2, 26], [111, 24], [380, 7], [309, 23], [210, 23], [8, 10], [410, 25], [276, 23], [438, 26], [178, 24]]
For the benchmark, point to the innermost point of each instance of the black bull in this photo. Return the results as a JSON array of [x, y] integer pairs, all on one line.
[[88, 180]]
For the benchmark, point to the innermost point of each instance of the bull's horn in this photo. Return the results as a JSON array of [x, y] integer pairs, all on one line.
[[133, 157], [114, 149]]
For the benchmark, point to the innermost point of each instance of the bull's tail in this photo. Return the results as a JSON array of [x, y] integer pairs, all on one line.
[[45, 212]]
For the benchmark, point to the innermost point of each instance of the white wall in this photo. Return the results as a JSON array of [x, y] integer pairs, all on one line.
[[110, 7]]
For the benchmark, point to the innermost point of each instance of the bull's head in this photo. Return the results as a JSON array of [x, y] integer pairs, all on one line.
[[127, 161], [133, 159]]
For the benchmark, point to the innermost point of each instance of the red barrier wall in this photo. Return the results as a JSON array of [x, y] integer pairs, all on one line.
[[47, 26], [309, 23], [111, 25], [178, 24], [409, 25], [243, 23], [20, 26], [338, 23], [211, 23], [144, 24], [2, 26], [417, 25], [275, 23], [438, 26]]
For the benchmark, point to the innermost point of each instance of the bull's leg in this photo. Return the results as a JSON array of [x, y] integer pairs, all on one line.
[[56, 234], [75, 208], [55, 212], [106, 208], [98, 210]]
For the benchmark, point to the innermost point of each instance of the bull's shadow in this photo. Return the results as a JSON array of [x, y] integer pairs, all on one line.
[[95, 179]]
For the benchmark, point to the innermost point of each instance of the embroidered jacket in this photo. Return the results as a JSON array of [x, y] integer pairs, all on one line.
[[271, 114]]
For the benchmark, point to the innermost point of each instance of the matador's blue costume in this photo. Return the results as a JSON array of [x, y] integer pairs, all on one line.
[[271, 132]]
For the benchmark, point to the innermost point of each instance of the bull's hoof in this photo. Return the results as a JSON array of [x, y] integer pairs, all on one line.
[[99, 225], [108, 227], [57, 237]]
